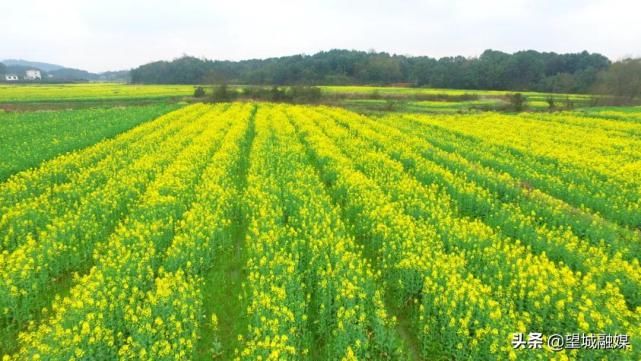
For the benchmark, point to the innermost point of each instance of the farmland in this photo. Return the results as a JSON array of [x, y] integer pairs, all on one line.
[[270, 231], [368, 99], [25, 144], [89, 91]]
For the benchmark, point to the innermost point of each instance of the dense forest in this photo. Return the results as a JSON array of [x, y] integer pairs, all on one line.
[[524, 70]]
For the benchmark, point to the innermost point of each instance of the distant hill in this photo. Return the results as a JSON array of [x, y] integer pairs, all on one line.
[[59, 73], [18, 69], [120, 75], [32, 64], [72, 74]]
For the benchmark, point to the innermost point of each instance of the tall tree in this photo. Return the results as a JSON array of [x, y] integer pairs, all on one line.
[[622, 79]]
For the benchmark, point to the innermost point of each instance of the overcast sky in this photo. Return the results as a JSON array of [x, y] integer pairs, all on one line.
[[100, 35]]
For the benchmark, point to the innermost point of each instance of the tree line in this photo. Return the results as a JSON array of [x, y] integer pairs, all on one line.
[[495, 70]]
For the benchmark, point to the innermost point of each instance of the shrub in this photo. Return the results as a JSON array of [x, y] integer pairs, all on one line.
[[199, 92], [517, 101]]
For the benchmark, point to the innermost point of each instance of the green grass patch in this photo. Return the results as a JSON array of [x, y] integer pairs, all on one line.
[[29, 138]]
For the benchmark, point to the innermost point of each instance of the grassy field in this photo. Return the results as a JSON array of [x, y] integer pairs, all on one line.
[[381, 106], [89, 91], [368, 99], [294, 232], [378, 100], [27, 139], [435, 91]]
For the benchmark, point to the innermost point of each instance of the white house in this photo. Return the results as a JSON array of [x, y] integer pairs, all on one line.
[[32, 74], [10, 77]]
